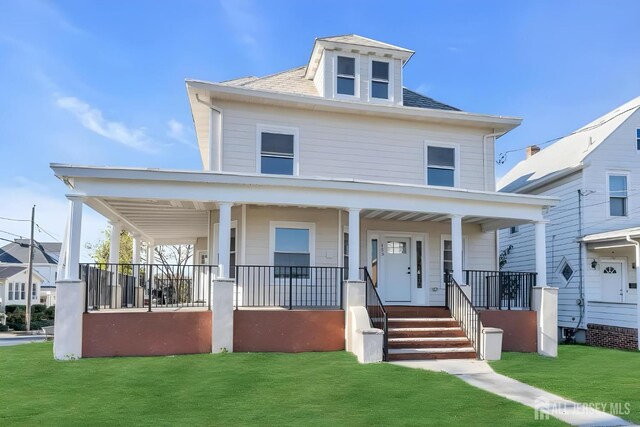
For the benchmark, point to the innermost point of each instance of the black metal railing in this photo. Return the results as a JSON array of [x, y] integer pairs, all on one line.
[[463, 311], [290, 287], [500, 290], [120, 286], [376, 310]]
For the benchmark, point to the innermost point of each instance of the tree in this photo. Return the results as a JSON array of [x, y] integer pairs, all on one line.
[[100, 250]]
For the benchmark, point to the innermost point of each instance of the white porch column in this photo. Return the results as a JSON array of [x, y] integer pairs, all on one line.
[[75, 230], [135, 258], [224, 237], [456, 247], [210, 240], [70, 291], [541, 253], [354, 244], [114, 242]]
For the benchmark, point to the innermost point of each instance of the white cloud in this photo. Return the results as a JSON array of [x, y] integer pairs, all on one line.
[[178, 132], [92, 119], [248, 27], [423, 88]]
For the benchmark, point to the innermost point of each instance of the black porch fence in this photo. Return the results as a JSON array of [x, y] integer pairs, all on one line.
[[500, 290], [122, 286], [289, 287]]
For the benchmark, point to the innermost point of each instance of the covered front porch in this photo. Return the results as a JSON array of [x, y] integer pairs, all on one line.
[[288, 243]]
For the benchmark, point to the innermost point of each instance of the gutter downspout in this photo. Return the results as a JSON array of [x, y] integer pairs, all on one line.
[[215, 156], [637, 245]]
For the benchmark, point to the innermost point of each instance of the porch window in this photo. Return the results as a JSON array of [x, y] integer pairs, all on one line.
[[277, 153], [292, 250], [346, 76], [379, 80], [441, 166], [617, 195]]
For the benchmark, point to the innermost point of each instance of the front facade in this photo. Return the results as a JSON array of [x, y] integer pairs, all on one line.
[[591, 235], [14, 289], [45, 263], [314, 174]]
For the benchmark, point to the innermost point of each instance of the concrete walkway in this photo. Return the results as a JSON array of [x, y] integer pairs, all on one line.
[[7, 339], [479, 374]]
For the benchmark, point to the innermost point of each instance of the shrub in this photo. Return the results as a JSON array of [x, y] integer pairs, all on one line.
[[38, 308], [4, 328], [12, 308]]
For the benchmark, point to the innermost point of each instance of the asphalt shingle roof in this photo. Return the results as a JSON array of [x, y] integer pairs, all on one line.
[[17, 252], [6, 272], [414, 99]]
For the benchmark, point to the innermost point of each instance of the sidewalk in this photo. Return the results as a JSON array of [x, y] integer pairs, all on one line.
[[479, 374], [12, 338]]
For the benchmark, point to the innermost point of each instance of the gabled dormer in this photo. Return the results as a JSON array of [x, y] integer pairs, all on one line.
[[356, 68]]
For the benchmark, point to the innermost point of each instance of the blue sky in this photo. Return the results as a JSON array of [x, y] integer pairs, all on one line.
[[102, 83]]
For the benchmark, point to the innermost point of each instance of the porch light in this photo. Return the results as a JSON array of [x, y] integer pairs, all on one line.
[[594, 264]]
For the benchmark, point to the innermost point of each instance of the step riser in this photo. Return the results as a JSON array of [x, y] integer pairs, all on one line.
[[417, 312], [423, 324], [432, 356], [426, 334], [430, 344]]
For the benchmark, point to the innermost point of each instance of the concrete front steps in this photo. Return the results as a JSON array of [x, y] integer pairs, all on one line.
[[418, 333]]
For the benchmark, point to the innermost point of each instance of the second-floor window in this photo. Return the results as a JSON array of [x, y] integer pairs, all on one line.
[[617, 195], [346, 76], [441, 166], [277, 151], [379, 80]]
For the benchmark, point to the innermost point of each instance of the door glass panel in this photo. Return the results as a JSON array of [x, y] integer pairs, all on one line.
[[396, 247], [419, 263]]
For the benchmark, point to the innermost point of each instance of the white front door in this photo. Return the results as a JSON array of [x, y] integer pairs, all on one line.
[[612, 281], [397, 270]]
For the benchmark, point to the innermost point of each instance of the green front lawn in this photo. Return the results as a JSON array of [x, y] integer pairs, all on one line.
[[581, 373], [232, 389]]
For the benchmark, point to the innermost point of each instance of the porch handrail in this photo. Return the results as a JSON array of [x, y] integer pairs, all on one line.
[[501, 290], [377, 312], [290, 287], [463, 311]]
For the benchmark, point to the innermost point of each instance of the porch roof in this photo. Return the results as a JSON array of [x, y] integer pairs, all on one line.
[[170, 204], [614, 238]]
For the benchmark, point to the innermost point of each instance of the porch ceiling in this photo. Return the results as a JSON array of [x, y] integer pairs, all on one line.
[[159, 221], [487, 223]]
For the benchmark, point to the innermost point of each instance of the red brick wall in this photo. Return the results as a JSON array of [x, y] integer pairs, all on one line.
[[612, 336], [146, 334], [520, 328], [288, 331]]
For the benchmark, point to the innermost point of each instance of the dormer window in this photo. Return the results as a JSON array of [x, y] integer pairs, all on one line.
[[379, 80], [346, 76]]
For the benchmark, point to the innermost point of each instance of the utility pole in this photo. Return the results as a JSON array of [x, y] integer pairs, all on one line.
[[28, 311]]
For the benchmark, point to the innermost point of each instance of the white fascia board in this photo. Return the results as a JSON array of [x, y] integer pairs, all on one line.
[[331, 193], [611, 235], [242, 94]]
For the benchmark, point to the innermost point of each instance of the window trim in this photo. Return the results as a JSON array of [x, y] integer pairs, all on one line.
[[311, 226], [283, 130], [456, 169], [356, 78], [563, 262], [607, 205], [391, 92], [465, 251]]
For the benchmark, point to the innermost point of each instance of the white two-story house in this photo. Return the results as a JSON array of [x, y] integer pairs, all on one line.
[[593, 233], [316, 173]]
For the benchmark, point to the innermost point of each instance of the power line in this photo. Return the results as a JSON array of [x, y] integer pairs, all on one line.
[[12, 234], [40, 228], [502, 157], [14, 219]]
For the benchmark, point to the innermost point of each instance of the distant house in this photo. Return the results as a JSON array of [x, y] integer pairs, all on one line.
[[45, 263], [13, 286], [591, 254]]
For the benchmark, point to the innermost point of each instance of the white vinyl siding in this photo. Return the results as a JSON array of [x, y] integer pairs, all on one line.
[[358, 147]]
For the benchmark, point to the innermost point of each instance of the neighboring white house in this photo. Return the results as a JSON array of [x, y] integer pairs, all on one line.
[[45, 263], [331, 165], [591, 236], [13, 286]]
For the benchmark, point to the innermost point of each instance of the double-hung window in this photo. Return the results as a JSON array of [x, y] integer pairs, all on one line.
[[277, 152], [292, 252], [10, 297], [441, 166], [33, 291], [346, 76], [617, 195], [22, 291], [638, 139], [379, 80]]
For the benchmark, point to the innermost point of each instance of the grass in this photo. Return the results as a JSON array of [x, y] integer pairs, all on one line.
[[238, 389], [585, 374]]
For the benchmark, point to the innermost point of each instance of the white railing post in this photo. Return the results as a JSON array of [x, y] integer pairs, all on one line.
[[354, 244]]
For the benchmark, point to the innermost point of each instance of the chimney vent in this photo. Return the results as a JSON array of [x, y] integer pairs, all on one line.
[[531, 150]]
